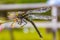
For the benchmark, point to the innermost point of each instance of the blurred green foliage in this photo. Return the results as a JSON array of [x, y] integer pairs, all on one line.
[[20, 35], [20, 1]]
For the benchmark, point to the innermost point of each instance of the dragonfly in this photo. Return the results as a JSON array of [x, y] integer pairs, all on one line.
[[23, 17]]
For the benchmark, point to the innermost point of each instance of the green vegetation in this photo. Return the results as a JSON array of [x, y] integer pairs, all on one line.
[[20, 35], [20, 1]]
